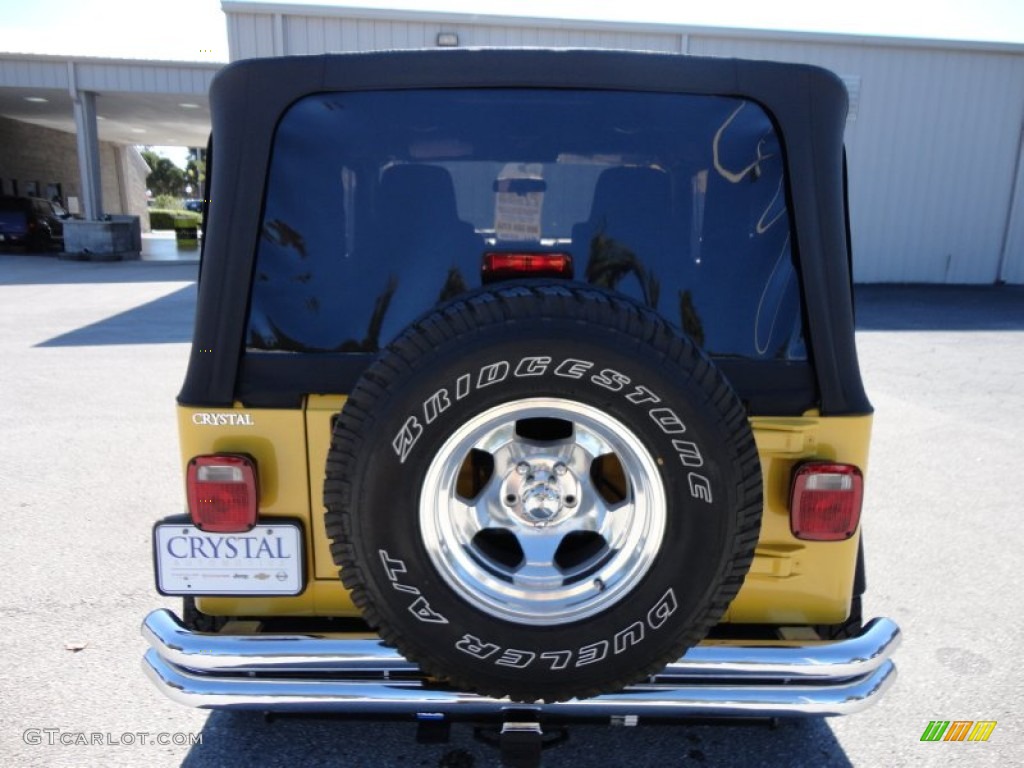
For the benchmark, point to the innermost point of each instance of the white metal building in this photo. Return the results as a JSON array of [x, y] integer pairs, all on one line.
[[934, 135]]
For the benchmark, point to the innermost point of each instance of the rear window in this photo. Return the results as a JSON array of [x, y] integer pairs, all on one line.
[[379, 205]]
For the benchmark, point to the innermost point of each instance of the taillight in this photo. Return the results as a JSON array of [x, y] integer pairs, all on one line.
[[825, 501], [506, 265], [222, 493]]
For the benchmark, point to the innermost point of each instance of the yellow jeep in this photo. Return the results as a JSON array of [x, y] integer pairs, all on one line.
[[523, 389]]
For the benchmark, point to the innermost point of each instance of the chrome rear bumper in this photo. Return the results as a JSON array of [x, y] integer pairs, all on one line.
[[362, 677]]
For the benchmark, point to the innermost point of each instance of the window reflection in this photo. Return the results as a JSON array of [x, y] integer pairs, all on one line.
[[380, 205]]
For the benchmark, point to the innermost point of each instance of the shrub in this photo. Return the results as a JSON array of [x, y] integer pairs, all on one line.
[[164, 219], [168, 203]]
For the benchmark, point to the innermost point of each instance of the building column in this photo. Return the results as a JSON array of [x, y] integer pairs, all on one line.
[[122, 177], [87, 135]]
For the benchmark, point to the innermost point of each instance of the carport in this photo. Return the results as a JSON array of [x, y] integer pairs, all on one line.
[[104, 101]]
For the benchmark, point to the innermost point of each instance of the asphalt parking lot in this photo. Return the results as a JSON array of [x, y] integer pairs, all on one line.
[[92, 355]]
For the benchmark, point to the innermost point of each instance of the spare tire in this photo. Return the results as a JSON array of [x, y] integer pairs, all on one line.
[[542, 491]]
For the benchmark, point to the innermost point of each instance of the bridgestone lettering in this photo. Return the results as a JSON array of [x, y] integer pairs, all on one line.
[[668, 421], [492, 374], [700, 487], [689, 453], [407, 437], [528, 367], [611, 380], [642, 395], [436, 405], [573, 369], [539, 365], [532, 366]]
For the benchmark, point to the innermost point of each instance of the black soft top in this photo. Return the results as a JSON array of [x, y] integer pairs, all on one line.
[[248, 98]]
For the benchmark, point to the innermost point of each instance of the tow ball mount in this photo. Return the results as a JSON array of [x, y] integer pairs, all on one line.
[[521, 740]]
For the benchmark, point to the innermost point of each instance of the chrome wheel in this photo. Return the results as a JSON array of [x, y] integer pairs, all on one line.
[[542, 511]]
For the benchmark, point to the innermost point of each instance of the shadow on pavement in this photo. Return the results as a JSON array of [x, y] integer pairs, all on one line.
[[40, 269], [167, 320], [245, 738], [939, 308]]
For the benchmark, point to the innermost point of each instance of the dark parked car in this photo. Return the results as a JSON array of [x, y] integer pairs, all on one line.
[[196, 206], [33, 222]]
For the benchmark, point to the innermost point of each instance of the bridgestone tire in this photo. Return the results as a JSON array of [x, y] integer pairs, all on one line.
[[542, 491]]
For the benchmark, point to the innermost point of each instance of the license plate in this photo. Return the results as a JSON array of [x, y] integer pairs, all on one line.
[[264, 561]]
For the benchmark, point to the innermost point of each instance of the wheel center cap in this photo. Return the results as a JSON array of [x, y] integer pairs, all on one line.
[[540, 493], [542, 499]]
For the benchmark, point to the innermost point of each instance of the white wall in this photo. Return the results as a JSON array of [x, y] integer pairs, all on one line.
[[32, 153], [932, 153]]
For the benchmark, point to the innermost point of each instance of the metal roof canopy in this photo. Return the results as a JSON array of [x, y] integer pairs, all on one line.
[[137, 102], [114, 100]]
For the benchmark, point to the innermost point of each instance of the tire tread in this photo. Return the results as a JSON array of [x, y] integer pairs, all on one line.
[[510, 304]]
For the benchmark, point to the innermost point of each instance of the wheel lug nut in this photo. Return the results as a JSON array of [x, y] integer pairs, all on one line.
[[522, 467], [560, 469]]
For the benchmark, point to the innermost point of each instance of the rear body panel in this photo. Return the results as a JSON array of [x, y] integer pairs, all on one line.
[[791, 582]]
